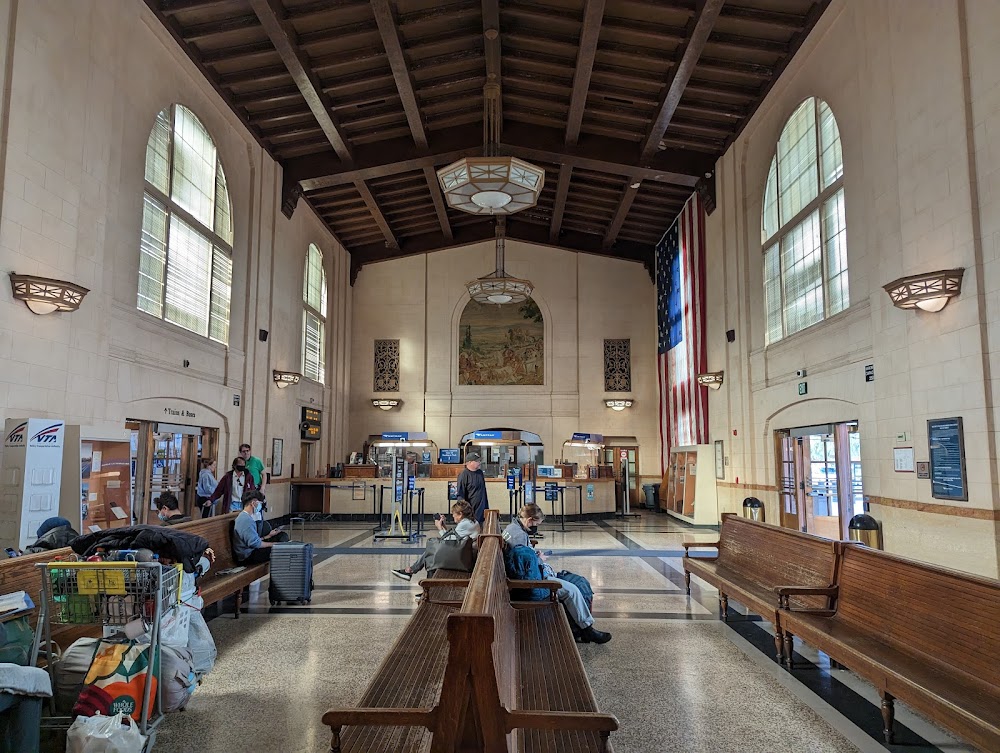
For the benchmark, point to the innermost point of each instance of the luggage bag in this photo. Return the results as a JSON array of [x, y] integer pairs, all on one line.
[[291, 578]]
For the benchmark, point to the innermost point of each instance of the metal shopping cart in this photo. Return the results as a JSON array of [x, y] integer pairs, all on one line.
[[127, 598]]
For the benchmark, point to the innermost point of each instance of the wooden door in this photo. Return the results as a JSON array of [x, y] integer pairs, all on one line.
[[190, 452], [789, 486], [305, 456]]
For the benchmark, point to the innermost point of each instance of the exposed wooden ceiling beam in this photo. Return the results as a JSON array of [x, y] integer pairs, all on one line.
[[611, 234], [596, 153], [700, 28], [383, 225], [593, 14], [562, 191], [389, 31], [439, 208], [283, 37]]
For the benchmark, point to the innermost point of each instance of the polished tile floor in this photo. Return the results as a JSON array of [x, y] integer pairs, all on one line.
[[676, 676]]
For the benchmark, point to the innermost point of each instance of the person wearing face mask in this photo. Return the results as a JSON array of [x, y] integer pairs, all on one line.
[[233, 486], [168, 510], [249, 547]]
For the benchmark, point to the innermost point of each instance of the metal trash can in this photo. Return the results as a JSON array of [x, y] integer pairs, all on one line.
[[753, 508], [652, 492], [865, 530]]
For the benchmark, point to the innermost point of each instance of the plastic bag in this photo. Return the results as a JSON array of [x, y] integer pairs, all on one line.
[[202, 645], [104, 734]]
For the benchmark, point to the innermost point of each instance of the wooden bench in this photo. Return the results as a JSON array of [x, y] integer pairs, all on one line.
[[927, 636], [214, 586], [754, 559], [488, 676]]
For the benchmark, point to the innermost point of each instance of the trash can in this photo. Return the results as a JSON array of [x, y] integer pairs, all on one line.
[[652, 493], [753, 508], [865, 530]]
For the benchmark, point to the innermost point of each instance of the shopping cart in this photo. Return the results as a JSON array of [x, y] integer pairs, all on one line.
[[128, 598]]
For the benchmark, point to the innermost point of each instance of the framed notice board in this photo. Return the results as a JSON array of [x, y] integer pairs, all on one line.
[[946, 442]]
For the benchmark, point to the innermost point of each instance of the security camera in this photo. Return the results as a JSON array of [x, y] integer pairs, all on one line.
[[800, 373]]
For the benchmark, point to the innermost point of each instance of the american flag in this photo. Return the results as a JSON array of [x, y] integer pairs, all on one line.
[[680, 318]]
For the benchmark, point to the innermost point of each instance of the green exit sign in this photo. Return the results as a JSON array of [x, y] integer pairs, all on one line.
[[803, 388]]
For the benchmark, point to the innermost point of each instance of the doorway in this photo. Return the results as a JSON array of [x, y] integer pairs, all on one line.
[[819, 477], [613, 457]]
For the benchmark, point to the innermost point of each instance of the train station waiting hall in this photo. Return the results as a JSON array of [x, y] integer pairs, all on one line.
[[494, 375]]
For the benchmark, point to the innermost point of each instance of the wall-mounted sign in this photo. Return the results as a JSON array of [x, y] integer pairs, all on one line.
[[236, 399], [923, 469], [179, 413], [492, 434], [396, 436], [448, 456], [803, 388], [312, 423], [590, 492], [902, 459], [592, 438], [946, 441], [870, 372]]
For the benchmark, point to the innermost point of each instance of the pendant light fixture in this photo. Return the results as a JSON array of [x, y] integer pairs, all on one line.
[[498, 288]]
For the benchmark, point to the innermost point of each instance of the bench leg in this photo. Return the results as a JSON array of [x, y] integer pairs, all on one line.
[[239, 604], [779, 645], [724, 607], [888, 715], [789, 648], [335, 741], [687, 581]]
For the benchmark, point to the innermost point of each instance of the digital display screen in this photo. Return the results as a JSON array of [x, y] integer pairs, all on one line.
[[449, 456]]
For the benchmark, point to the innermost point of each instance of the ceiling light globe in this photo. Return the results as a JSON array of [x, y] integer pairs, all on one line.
[[491, 199], [41, 307], [499, 298]]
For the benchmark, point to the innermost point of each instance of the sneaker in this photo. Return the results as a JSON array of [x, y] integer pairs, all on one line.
[[402, 574], [592, 635]]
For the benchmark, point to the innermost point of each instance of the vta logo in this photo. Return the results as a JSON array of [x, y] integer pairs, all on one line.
[[16, 435], [47, 436]]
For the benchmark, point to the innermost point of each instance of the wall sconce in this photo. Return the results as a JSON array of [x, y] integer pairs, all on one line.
[[712, 380], [285, 378], [385, 404], [43, 296], [618, 405], [929, 292]]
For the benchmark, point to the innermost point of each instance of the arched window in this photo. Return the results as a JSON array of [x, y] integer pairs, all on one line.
[[803, 230], [186, 249], [314, 316]]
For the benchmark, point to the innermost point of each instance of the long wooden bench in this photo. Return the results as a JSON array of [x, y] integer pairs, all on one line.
[[925, 635], [487, 676], [754, 559]]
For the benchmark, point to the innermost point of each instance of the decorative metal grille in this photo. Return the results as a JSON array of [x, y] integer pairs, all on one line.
[[618, 365], [387, 366]]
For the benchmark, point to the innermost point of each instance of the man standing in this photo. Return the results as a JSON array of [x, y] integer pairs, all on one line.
[[233, 486], [472, 487], [255, 466]]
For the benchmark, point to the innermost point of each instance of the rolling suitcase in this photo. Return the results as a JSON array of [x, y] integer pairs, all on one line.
[[291, 571]]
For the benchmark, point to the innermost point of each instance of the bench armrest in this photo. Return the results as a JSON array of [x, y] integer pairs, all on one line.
[[689, 545], [379, 717], [786, 592], [429, 583], [588, 721], [551, 585]]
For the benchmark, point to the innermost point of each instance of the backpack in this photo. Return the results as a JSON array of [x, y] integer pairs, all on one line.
[[580, 582], [522, 563]]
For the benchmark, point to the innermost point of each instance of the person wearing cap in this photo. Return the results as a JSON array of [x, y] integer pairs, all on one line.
[[472, 487]]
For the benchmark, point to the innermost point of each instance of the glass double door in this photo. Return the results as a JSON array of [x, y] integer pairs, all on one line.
[[168, 460], [819, 478]]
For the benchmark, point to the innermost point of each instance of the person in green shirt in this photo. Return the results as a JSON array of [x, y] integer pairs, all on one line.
[[254, 466]]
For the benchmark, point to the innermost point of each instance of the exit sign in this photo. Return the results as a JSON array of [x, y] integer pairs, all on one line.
[[803, 388]]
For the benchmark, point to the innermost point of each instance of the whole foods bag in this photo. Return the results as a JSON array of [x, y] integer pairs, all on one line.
[[117, 680]]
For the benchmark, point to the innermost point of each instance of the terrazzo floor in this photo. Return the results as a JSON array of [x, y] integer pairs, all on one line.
[[677, 678]]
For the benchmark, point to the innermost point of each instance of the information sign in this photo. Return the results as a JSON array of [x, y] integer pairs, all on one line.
[[946, 442], [551, 491]]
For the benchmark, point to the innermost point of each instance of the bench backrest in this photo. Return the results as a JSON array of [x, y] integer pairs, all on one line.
[[772, 556], [944, 615], [217, 530]]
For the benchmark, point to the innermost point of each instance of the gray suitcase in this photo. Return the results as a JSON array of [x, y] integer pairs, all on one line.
[[291, 571]]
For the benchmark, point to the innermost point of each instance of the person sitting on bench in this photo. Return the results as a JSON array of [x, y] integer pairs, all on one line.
[[168, 509], [516, 534], [249, 547], [465, 526]]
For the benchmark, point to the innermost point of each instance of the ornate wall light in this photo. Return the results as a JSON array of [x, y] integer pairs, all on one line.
[[384, 404], [44, 296], [285, 378], [712, 380], [930, 291], [618, 405]]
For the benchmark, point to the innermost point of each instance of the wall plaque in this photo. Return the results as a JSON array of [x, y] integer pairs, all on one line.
[[946, 441]]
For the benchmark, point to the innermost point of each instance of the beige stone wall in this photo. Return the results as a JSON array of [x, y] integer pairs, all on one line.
[[915, 88], [584, 299], [87, 79]]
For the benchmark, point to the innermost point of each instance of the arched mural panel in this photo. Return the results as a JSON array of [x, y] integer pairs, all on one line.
[[501, 345]]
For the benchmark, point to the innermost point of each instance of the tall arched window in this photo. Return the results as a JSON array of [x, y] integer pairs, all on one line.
[[803, 230], [314, 316], [186, 250]]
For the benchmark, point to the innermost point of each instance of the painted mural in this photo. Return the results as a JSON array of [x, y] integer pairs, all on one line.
[[501, 345]]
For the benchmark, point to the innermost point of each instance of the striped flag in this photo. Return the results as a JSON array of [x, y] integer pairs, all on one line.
[[680, 318]]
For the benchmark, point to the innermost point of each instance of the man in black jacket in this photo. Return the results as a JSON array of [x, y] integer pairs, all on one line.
[[472, 487]]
